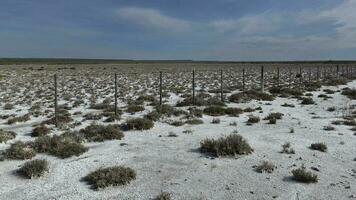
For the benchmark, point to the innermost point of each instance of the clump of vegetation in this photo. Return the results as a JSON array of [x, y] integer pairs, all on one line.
[[214, 110], [319, 147], [138, 124], [286, 148], [286, 91], [253, 119], [8, 106], [164, 196], [194, 121], [34, 168], [40, 131], [288, 105], [301, 175], [153, 116], [135, 108], [19, 151], [215, 121], [110, 176], [176, 123], [100, 133], [231, 145], [165, 109], [331, 109], [329, 128], [307, 101], [195, 112], [23, 118], [249, 95], [276, 115], [233, 112], [6, 135], [265, 166], [350, 93], [335, 82], [62, 146]]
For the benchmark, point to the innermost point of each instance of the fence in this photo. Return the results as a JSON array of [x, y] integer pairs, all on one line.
[[231, 79]]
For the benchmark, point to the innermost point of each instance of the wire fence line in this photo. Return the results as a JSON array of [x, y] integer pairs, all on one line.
[[218, 81]]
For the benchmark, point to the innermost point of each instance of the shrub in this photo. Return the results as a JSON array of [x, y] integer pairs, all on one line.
[[286, 91], [230, 145], [195, 112], [111, 176], [288, 105], [165, 109], [331, 109], [301, 175], [329, 128], [253, 119], [6, 136], [40, 131], [19, 151], [350, 93], [194, 121], [272, 121], [100, 133], [62, 146], [138, 124], [233, 111], [319, 147], [23, 118], [214, 110], [135, 108], [265, 166], [275, 115], [176, 123], [8, 106], [286, 148], [249, 95], [164, 196], [153, 116], [33, 169], [92, 116], [307, 101], [215, 121]]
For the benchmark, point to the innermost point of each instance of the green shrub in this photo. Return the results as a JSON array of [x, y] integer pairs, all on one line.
[[23, 118], [307, 101], [249, 95], [319, 147], [195, 112], [301, 175], [176, 123], [135, 108], [194, 121], [165, 109], [253, 119], [100, 133], [6, 135], [350, 93], [164, 196], [214, 110], [234, 112], [230, 145], [286, 91], [8, 106], [62, 146], [34, 169], [138, 124], [19, 151], [111, 176], [40, 131], [272, 121], [153, 116], [265, 166], [276, 115]]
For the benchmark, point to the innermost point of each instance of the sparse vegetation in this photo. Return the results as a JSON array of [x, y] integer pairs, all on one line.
[[286, 148], [265, 166], [164, 196], [100, 133], [138, 124], [40, 131], [6, 135], [34, 168], [301, 175], [319, 147], [19, 151]]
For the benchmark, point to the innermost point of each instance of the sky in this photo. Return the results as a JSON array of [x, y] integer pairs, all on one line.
[[225, 30]]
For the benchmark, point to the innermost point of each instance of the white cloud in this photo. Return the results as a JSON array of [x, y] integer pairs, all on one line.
[[153, 19]]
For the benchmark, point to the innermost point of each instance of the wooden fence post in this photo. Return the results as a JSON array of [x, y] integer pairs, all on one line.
[[278, 83], [290, 77], [160, 88], [116, 114], [317, 73], [221, 86], [262, 79], [310, 74], [300, 76], [337, 71], [243, 80], [193, 86], [55, 101]]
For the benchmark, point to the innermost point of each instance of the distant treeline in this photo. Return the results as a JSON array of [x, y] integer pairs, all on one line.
[[54, 61]]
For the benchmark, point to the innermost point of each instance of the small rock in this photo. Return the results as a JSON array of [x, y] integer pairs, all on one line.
[[315, 169], [251, 192], [123, 144], [354, 159]]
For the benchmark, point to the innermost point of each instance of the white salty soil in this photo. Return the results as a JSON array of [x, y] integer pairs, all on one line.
[[174, 164]]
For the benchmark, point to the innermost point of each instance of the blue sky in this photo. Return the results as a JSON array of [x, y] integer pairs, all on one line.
[[179, 29]]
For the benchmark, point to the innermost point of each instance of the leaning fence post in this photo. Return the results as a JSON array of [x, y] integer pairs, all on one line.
[[55, 101], [309, 74], [262, 80], [193, 86], [243, 80], [221, 86], [116, 96], [290, 77], [317, 73], [300, 76], [160, 88], [337, 71]]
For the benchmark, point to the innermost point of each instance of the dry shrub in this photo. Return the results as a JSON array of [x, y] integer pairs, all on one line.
[[265, 166], [19, 151], [138, 124], [301, 175], [100, 133], [34, 169], [40, 131], [319, 147], [6, 135]]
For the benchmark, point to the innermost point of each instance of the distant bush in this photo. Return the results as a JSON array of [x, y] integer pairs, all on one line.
[[164, 196], [319, 147], [19, 151], [92, 116], [214, 110], [234, 112], [40, 131], [253, 119], [135, 108], [230, 145], [111, 176], [288, 105], [194, 121], [195, 112], [249, 95], [331, 109], [100, 133], [8, 106], [153, 116], [329, 128], [350, 93], [335, 82], [265, 166], [34, 168], [6, 135], [307, 101], [301, 175], [215, 121], [286, 91], [138, 124], [62, 146], [165, 109], [286, 148], [176, 123], [276, 115], [23, 118]]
